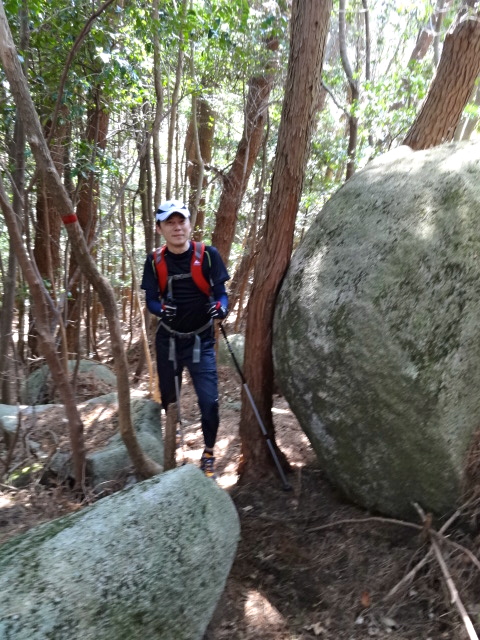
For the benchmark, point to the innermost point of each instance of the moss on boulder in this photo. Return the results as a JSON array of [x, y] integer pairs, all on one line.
[[377, 332], [148, 562]]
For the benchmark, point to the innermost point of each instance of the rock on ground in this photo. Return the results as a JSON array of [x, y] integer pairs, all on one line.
[[148, 562], [94, 378], [377, 332]]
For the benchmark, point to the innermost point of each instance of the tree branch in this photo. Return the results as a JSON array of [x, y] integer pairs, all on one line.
[[76, 45]]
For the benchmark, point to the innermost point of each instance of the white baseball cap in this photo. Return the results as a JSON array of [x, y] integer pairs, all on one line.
[[166, 209]]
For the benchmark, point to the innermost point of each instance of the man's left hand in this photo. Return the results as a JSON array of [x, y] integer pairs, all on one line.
[[216, 311]]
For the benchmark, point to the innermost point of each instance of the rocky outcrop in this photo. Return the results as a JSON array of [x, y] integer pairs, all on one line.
[[377, 332], [148, 562]]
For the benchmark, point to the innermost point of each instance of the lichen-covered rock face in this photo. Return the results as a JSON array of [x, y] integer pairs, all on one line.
[[377, 329], [148, 562]]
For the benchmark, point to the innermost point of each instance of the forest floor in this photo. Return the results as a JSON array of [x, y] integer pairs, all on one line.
[[309, 564]]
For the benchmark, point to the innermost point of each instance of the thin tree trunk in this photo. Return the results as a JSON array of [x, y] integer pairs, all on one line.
[[353, 91], [468, 124], [450, 89], [9, 287], [309, 30], [10, 280], [43, 305], [144, 466], [87, 210], [429, 31], [157, 82], [205, 124], [174, 107], [236, 180], [197, 194]]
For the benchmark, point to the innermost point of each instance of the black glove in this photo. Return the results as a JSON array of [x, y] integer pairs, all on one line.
[[216, 311], [169, 310]]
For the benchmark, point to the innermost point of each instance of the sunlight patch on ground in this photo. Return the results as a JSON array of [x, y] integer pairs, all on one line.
[[5, 501], [284, 411], [137, 393], [227, 480], [260, 613], [222, 445], [97, 414]]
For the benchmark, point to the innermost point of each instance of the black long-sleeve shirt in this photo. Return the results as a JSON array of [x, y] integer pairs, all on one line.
[[192, 304]]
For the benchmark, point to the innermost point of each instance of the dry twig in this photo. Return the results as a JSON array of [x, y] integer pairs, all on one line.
[[411, 574], [454, 595]]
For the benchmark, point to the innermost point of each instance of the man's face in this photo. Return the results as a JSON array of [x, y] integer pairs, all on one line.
[[176, 231]]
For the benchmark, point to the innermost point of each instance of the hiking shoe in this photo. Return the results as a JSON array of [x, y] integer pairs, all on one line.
[[207, 464]]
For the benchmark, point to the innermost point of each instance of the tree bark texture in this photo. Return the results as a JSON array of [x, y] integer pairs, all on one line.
[[87, 212], [43, 304], [174, 105], [236, 180], [8, 55], [157, 82], [309, 30], [47, 230], [206, 129], [450, 89], [429, 31], [9, 289]]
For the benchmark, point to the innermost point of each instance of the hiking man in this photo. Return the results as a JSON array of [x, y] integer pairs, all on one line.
[[184, 285]]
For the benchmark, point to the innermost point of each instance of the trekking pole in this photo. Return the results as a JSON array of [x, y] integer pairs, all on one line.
[[179, 417], [286, 485], [179, 414]]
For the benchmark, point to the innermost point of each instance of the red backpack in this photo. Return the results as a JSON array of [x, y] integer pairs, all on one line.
[[195, 268]]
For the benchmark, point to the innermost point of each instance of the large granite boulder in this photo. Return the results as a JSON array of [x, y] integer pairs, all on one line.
[[93, 379], [149, 562], [377, 330]]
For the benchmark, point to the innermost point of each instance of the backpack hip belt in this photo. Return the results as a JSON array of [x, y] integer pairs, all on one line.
[[179, 334]]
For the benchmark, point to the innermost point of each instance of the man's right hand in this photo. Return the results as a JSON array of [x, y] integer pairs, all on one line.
[[169, 310]]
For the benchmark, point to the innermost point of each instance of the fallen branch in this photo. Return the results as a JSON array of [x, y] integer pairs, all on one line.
[[411, 574], [454, 595]]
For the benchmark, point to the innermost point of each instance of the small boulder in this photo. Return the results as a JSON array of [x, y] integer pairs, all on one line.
[[94, 379], [147, 562]]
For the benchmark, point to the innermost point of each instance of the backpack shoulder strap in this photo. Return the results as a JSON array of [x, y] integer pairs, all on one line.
[[161, 268], [199, 279]]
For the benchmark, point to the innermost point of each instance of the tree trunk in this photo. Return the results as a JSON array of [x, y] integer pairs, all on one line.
[[87, 209], [429, 31], [17, 154], [174, 106], [8, 300], [205, 121], [309, 30], [468, 123], [46, 251], [157, 82], [236, 180], [47, 230], [353, 93], [43, 305], [450, 89], [144, 466]]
